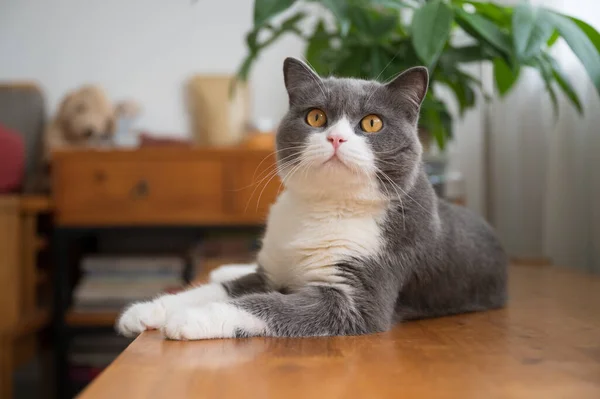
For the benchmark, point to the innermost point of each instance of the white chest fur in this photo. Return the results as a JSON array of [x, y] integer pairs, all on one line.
[[305, 239]]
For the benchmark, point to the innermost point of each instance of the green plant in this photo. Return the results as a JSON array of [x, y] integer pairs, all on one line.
[[376, 39]]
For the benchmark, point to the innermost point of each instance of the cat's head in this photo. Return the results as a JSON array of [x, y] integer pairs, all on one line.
[[345, 137]]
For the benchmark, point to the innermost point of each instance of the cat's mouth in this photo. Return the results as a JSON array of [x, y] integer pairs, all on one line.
[[336, 160]]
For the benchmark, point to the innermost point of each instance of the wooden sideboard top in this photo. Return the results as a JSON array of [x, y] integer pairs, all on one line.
[[544, 344], [163, 186], [160, 152]]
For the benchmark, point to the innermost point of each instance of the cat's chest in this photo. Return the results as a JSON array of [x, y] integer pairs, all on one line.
[[302, 245]]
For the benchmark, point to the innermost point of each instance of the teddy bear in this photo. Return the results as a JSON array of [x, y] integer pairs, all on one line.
[[86, 119]]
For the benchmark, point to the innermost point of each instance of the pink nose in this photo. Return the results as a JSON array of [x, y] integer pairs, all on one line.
[[336, 141]]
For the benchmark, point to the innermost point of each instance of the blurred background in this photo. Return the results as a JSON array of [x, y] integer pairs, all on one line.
[[183, 97]]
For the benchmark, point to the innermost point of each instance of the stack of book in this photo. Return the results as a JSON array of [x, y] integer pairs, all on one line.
[[111, 282]]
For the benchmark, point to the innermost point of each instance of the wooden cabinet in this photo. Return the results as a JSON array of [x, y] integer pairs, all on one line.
[[24, 309], [164, 186]]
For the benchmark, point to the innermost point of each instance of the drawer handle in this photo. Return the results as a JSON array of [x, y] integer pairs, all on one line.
[[141, 189]]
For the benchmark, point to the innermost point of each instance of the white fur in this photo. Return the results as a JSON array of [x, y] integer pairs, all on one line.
[[231, 272], [143, 316], [305, 240], [215, 320], [329, 212], [348, 175]]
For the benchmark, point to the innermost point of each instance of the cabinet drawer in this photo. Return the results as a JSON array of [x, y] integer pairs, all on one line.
[[138, 191], [255, 185]]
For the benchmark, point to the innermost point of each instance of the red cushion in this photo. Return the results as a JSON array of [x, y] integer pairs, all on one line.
[[12, 160]]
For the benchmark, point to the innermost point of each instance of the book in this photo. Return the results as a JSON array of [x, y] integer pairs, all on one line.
[[111, 282], [132, 264]]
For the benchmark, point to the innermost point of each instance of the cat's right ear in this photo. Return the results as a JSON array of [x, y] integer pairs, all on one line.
[[297, 75]]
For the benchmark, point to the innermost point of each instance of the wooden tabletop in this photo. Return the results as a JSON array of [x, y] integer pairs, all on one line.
[[545, 344]]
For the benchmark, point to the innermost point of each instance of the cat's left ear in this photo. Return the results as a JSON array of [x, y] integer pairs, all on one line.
[[411, 84]]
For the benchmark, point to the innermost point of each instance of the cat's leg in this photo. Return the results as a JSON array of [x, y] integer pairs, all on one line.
[[153, 314], [315, 310]]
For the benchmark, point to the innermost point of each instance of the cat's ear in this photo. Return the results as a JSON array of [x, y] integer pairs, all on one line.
[[298, 75], [411, 84]]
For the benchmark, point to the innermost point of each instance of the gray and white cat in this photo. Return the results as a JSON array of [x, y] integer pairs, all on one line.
[[358, 238]]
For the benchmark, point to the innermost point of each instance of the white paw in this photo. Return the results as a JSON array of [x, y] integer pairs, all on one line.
[[215, 320], [231, 272], [141, 317]]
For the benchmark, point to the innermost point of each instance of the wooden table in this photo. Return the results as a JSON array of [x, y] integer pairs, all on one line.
[[545, 344]]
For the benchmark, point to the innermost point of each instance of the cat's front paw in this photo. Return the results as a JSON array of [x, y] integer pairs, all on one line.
[[215, 320], [141, 317]]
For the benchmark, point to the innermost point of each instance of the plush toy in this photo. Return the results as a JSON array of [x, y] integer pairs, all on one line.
[[86, 119]]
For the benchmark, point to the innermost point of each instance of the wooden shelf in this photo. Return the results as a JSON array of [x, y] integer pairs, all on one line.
[[90, 319]]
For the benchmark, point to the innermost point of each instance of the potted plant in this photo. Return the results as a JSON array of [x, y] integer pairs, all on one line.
[[375, 39]]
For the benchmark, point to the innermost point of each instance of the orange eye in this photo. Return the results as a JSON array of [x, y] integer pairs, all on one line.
[[316, 118], [371, 124]]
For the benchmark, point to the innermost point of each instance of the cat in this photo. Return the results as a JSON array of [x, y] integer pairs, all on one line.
[[358, 239]]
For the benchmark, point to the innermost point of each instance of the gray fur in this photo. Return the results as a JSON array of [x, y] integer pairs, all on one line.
[[438, 259]]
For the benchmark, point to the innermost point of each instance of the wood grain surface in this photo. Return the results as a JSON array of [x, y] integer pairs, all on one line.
[[545, 344], [164, 186]]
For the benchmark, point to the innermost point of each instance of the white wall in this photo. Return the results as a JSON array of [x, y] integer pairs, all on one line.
[[140, 49], [146, 49]]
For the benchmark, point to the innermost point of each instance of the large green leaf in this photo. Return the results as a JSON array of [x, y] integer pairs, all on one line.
[[436, 120], [581, 45], [242, 73], [553, 98], [547, 74], [531, 31], [473, 81], [383, 24], [446, 119], [251, 39], [551, 66], [400, 55], [430, 30], [372, 24], [432, 122], [338, 8], [465, 96], [396, 4], [500, 15], [317, 46], [553, 38], [466, 54], [590, 32], [289, 25], [504, 76], [567, 88], [378, 62], [266, 9], [352, 62], [291, 22], [484, 29], [462, 85]]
